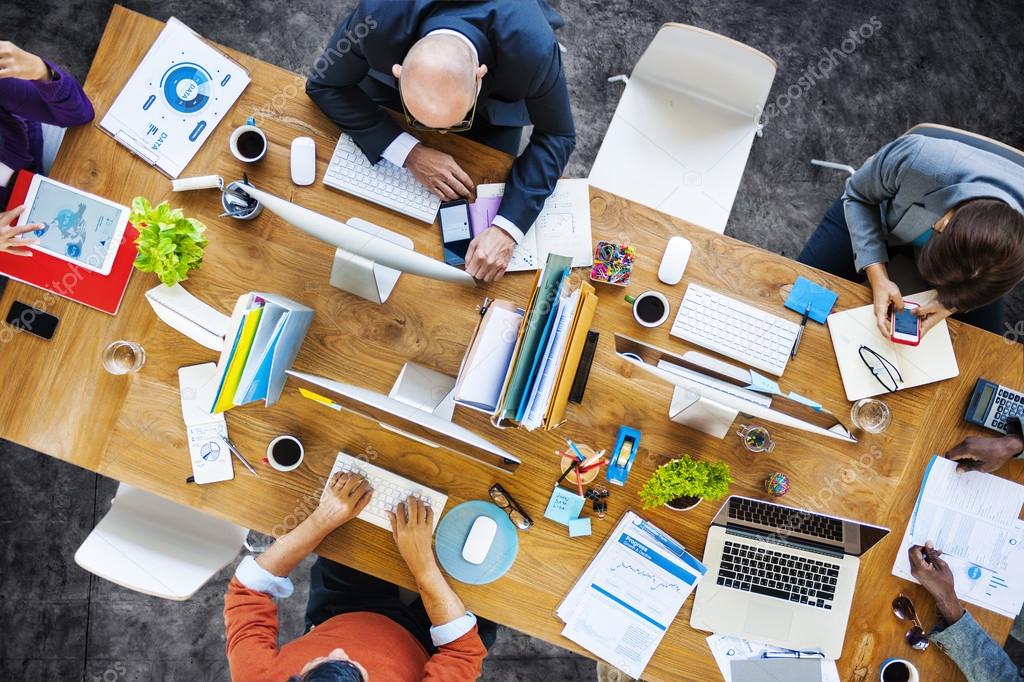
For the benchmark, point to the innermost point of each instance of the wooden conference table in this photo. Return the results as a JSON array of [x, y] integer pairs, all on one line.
[[60, 401]]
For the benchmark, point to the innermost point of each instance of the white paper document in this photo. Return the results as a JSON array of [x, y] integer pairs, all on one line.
[[974, 518], [174, 99], [563, 227], [208, 449], [627, 598], [487, 360], [728, 649]]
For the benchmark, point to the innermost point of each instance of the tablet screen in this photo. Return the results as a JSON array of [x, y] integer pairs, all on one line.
[[77, 226]]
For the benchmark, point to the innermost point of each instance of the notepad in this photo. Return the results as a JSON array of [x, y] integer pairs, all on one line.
[[563, 506], [821, 299], [563, 226], [930, 361]]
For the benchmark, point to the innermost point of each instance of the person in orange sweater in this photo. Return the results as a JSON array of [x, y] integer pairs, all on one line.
[[357, 627]]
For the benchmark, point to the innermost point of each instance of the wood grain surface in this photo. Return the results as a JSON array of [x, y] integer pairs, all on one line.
[[58, 399]]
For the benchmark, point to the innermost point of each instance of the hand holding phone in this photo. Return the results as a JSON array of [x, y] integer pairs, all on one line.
[[905, 325]]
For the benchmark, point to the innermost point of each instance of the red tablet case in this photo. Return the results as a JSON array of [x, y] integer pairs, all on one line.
[[102, 292]]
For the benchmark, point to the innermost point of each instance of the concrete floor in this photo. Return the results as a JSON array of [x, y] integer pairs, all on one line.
[[946, 61]]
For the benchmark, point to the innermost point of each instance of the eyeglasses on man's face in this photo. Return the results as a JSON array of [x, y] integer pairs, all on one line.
[[461, 127]]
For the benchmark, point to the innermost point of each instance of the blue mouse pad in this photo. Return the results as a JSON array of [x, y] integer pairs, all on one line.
[[451, 535]]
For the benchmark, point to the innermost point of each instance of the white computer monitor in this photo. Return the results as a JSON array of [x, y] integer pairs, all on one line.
[[418, 424], [781, 409], [363, 249]]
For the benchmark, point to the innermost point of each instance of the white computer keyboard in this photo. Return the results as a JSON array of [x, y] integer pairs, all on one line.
[[388, 490], [385, 183], [735, 329]]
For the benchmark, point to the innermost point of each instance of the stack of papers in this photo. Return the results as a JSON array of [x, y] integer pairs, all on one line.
[[974, 519], [563, 225], [490, 352], [626, 599], [264, 336], [728, 649]]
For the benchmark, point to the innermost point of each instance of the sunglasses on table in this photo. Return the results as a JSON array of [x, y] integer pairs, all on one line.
[[515, 513], [881, 369], [904, 610]]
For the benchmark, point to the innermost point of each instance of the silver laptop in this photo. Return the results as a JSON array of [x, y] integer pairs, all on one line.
[[781, 575]]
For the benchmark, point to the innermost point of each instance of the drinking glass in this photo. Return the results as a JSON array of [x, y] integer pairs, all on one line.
[[123, 357], [871, 415]]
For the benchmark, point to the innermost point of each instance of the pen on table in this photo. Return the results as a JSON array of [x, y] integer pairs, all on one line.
[[800, 332], [575, 450], [566, 472], [236, 453]]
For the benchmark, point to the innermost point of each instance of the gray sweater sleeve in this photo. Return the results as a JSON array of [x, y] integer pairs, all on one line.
[[877, 181], [975, 653]]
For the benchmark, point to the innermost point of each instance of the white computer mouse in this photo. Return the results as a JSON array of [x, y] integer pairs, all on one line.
[[674, 260], [303, 160], [479, 540]]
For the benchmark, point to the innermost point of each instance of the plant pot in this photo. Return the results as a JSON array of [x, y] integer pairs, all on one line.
[[684, 503]]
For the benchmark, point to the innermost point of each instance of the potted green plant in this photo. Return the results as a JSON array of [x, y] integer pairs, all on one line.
[[682, 483], [169, 244]]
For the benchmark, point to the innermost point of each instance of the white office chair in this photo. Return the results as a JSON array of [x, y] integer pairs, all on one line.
[[682, 132], [158, 547]]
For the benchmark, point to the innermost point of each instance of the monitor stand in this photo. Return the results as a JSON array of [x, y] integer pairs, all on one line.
[[361, 276], [706, 416], [422, 388]]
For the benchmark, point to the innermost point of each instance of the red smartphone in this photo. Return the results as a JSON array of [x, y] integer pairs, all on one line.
[[906, 326]]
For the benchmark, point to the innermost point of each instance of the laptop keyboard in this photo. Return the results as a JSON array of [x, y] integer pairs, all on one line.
[[777, 574], [785, 519]]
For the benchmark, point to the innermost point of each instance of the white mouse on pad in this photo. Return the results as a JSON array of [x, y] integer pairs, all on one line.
[[303, 161], [479, 540], [674, 260]]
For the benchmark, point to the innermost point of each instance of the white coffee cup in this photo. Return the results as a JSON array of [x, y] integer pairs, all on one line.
[[289, 442], [241, 154], [640, 308], [889, 663]]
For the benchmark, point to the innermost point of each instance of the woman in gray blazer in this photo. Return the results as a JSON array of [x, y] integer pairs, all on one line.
[[958, 208]]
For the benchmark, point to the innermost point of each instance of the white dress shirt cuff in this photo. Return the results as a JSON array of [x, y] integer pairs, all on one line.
[[451, 631], [510, 227], [255, 577], [399, 149]]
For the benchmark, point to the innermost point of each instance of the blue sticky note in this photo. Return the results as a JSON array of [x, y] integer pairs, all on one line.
[[563, 506], [763, 384], [579, 527], [820, 298]]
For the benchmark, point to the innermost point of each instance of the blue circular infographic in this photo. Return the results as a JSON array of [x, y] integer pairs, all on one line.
[[186, 87], [210, 451]]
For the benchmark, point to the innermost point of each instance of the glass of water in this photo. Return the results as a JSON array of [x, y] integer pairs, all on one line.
[[871, 415], [123, 357]]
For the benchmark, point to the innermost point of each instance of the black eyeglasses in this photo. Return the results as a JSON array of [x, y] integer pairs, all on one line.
[[460, 127], [881, 369], [515, 513], [904, 610]]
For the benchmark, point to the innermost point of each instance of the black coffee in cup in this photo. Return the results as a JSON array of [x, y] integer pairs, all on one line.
[[250, 144], [650, 309], [287, 452], [896, 671]]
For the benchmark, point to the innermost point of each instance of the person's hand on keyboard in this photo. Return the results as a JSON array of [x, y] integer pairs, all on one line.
[[412, 524], [489, 253], [439, 172], [346, 495]]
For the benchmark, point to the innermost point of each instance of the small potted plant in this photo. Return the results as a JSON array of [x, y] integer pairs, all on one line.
[[682, 483], [169, 244]]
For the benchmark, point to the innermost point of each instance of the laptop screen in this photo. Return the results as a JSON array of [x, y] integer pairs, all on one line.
[[779, 522]]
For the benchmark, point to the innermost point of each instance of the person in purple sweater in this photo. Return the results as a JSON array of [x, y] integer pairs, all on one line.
[[32, 92]]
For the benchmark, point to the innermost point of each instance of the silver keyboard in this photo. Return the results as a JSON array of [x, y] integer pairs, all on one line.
[[734, 329], [388, 490], [385, 183]]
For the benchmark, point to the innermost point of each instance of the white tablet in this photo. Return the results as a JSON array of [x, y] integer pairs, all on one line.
[[78, 227]]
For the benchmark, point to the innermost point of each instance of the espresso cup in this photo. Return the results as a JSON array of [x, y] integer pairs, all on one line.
[[285, 453], [248, 143], [898, 670], [650, 309]]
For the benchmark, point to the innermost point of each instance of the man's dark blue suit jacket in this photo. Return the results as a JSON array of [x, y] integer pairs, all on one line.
[[525, 82]]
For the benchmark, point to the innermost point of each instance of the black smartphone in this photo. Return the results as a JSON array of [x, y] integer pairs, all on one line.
[[455, 231], [32, 320]]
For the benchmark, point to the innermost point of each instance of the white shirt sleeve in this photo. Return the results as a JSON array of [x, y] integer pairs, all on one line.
[[451, 631], [399, 149], [510, 227], [255, 577]]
